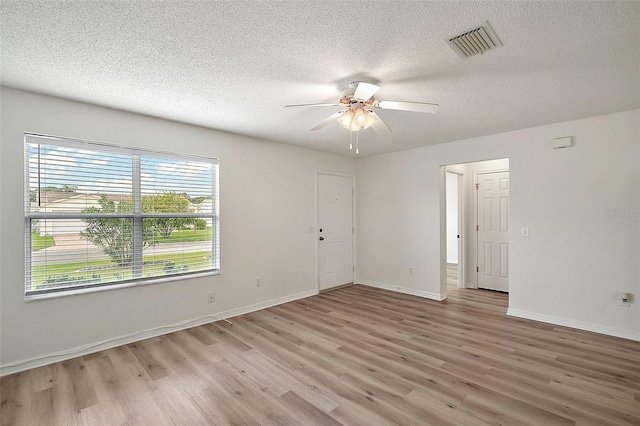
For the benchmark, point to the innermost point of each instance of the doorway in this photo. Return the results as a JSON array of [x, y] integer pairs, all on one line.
[[453, 185], [335, 230], [480, 217]]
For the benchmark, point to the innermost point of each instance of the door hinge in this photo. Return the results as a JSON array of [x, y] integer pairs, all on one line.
[[354, 268], [477, 186], [353, 230], [477, 269], [477, 228]]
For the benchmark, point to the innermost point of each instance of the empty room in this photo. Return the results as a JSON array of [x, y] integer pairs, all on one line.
[[319, 212]]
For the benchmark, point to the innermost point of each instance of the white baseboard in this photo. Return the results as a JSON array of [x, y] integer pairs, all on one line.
[[27, 364], [596, 328], [405, 290]]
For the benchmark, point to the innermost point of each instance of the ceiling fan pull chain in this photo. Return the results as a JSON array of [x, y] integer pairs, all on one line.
[[350, 140], [357, 142]]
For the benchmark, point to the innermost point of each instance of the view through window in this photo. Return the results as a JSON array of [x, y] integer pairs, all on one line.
[[101, 215]]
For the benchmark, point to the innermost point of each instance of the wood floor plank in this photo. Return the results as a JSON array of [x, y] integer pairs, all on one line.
[[449, 411], [288, 360], [15, 399], [130, 388], [344, 362], [144, 353], [554, 401], [307, 389], [197, 348], [42, 378], [108, 386], [84, 393], [354, 356], [65, 399], [219, 408], [263, 374], [294, 332], [305, 412], [349, 413], [247, 394], [488, 404], [42, 407]]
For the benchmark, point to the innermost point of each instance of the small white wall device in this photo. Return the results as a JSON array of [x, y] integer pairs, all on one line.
[[625, 299], [563, 142]]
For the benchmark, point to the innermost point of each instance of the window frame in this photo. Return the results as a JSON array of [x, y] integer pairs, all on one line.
[[137, 216]]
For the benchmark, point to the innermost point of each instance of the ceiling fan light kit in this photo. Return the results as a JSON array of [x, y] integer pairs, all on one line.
[[359, 113], [356, 119]]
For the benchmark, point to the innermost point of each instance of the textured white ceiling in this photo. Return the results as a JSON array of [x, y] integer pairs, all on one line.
[[234, 65]]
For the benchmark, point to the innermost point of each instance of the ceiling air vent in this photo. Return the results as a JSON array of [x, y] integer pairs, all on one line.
[[472, 42]]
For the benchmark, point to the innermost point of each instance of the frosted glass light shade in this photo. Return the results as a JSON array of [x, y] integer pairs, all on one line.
[[356, 119]]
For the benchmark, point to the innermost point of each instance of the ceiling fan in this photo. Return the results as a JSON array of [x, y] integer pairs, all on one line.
[[359, 113]]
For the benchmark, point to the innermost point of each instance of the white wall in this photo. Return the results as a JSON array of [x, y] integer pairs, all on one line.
[[267, 195], [577, 258], [452, 217]]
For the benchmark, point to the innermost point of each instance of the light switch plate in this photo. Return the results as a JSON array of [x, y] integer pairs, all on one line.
[[525, 231]]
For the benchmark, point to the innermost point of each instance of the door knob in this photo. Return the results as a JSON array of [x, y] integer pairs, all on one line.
[[321, 238]]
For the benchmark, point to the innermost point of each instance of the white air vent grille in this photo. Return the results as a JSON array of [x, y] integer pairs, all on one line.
[[472, 42]]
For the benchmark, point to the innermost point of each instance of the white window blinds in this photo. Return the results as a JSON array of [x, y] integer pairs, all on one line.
[[100, 215]]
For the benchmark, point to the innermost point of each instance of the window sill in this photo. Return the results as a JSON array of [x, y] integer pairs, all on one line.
[[141, 282]]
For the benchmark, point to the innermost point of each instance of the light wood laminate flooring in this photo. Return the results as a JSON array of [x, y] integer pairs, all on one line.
[[452, 276], [353, 356]]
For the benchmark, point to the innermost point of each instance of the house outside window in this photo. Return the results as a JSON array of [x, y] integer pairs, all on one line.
[[101, 216]]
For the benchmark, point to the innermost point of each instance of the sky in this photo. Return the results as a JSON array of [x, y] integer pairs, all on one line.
[[109, 172]]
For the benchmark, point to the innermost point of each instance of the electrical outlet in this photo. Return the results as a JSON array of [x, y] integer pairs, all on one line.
[[211, 297], [258, 282], [524, 231]]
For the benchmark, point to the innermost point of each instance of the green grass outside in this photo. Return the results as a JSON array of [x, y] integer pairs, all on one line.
[[186, 236], [39, 242], [101, 268]]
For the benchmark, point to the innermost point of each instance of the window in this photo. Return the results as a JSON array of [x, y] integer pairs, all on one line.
[[98, 215]]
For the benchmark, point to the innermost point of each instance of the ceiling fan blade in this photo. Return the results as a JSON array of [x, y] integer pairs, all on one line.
[[408, 106], [311, 105], [365, 90], [328, 120], [379, 125]]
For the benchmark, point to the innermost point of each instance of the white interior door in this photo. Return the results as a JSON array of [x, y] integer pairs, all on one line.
[[335, 230], [493, 231]]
